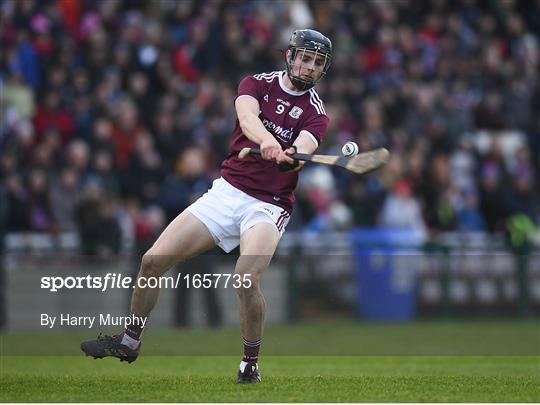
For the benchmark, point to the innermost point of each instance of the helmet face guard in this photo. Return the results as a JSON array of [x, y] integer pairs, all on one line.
[[313, 42]]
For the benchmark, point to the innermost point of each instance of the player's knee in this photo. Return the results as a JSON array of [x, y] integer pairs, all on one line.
[[151, 265], [248, 283]]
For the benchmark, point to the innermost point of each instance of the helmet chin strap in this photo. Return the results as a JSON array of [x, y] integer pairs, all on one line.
[[301, 84]]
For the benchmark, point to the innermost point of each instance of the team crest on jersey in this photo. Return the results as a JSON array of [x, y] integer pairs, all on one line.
[[296, 112]]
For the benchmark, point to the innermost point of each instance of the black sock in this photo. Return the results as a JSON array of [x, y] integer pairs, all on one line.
[[251, 351], [135, 330]]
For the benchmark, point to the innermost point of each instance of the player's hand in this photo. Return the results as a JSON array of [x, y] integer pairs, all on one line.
[[270, 149], [283, 156]]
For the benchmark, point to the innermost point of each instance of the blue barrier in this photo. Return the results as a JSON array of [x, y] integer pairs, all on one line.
[[386, 273]]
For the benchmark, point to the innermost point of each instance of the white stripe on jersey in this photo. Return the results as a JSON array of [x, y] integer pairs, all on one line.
[[311, 136], [267, 73], [275, 72], [269, 77], [316, 102]]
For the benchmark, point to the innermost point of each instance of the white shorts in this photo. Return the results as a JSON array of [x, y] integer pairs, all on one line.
[[228, 212]]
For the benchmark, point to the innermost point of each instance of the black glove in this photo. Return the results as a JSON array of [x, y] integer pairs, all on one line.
[[290, 167]]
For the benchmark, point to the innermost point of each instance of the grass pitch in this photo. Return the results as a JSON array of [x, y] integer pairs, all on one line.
[[285, 379], [501, 374]]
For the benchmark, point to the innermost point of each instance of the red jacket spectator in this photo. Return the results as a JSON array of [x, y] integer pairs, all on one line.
[[52, 115]]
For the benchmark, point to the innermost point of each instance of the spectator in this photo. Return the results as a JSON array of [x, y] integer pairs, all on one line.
[[18, 218], [468, 214], [18, 96], [401, 209], [51, 114], [99, 230], [103, 172], [64, 191], [187, 184], [143, 175], [39, 202], [438, 194]]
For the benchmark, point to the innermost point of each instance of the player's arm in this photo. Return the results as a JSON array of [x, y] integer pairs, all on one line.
[[247, 110], [304, 143]]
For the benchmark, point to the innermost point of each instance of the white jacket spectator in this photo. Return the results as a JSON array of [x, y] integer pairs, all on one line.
[[401, 209]]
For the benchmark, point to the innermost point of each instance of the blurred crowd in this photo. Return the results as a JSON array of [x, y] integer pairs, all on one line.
[[116, 114]]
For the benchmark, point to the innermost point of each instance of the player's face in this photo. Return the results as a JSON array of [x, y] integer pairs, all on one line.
[[308, 65]]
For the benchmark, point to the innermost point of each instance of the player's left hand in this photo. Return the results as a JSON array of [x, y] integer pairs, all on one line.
[[283, 156], [288, 164]]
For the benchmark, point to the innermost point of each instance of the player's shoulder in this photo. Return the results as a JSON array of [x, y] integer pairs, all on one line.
[[268, 77], [316, 102]]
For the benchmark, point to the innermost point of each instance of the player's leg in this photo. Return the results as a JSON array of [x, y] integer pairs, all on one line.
[[257, 246], [185, 237]]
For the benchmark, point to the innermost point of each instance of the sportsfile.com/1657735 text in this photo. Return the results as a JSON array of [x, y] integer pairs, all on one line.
[[116, 280]]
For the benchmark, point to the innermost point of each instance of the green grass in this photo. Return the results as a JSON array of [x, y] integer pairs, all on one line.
[[323, 338], [487, 361], [285, 379]]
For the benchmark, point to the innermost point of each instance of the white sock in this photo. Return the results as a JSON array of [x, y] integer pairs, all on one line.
[[130, 342]]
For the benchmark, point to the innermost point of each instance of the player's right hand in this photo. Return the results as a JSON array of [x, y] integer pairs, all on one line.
[[270, 149]]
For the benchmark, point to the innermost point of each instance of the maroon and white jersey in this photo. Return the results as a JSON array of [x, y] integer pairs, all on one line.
[[284, 113]]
